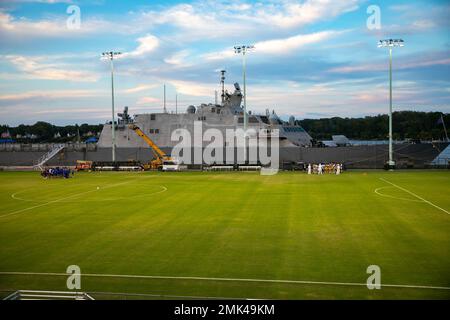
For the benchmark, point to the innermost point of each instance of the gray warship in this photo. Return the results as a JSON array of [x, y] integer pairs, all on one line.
[[229, 114]]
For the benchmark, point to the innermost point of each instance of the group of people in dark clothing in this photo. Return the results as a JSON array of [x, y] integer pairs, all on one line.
[[57, 173]]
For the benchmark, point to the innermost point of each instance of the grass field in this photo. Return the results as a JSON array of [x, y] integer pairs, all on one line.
[[240, 227]]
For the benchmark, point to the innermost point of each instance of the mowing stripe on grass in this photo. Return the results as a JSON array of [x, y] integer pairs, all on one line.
[[415, 195], [225, 279], [60, 199]]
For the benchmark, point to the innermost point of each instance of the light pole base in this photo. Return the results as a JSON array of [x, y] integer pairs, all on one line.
[[390, 165]]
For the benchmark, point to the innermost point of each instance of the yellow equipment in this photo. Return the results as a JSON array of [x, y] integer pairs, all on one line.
[[160, 156], [83, 165]]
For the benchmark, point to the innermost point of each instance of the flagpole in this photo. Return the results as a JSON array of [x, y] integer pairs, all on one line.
[[445, 129]]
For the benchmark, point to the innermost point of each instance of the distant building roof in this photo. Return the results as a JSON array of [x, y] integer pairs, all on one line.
[[340, 140]]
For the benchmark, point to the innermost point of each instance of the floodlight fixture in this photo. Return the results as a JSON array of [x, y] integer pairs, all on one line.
[[391, 43], [243, 48], [111, 54]]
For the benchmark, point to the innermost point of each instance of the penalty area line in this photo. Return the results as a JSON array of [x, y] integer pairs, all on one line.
[[306, 282], [45, 203], [377, 191], [415, 195], [60, 199]]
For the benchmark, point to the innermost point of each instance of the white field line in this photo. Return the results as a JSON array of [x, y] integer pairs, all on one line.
[[164, 295], [163, 189], [60, 199], [415, 195], [225, 279], [377, 191]]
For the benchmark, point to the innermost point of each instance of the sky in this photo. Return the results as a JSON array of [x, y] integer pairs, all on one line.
[[312, 59]]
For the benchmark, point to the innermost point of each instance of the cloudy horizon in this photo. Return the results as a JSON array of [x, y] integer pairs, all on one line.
[[311, 59]]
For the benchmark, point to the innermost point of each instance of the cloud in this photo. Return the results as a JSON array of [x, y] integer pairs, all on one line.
[[29, 96], [148, 100], [279, 46], [193, 88], [178, 59], [147, 44], [18, 29], [200, 20], [292, 14], [41, 1], [139, 88], [415, 18], [412, 62], [9, 25], [192, 22], [219, 55], [34, 68], [218, 19], [287, 45]]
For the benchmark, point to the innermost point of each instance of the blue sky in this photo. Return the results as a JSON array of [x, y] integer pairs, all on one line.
[[311, 58]]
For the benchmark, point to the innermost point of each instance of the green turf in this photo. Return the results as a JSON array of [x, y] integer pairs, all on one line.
[[290, 226]]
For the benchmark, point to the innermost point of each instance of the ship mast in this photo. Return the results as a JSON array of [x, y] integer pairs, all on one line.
[[165, 110], [222, 82]]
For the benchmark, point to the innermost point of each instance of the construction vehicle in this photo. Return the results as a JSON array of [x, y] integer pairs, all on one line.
[[83, 165], [162, 161]]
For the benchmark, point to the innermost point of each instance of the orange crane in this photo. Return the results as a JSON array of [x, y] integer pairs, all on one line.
[[160, 157]]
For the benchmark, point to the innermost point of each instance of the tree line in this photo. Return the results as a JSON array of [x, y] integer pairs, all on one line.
[[46, 132], [406, 125]]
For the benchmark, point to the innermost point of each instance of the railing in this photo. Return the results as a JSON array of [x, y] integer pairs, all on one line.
[[39, 147], [42, 160], [48, 295], [443, 158]]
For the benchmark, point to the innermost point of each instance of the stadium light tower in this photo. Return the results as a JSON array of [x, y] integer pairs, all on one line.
[[110, 55], [390, 44], [243, 49]]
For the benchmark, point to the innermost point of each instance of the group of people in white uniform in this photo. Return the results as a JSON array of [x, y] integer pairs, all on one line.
[[333, 168]]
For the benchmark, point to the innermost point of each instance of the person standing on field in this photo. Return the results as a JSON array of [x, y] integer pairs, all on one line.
[[309, 168]]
